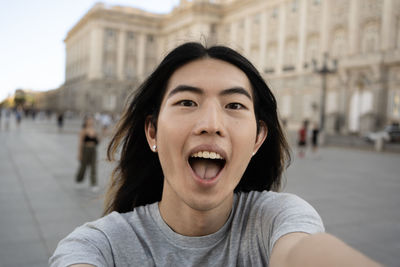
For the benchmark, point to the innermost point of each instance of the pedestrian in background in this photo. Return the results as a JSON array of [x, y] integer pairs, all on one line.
[[7, 119], [314, 137], [87, 153], [302, 139], [18, 115], [105, 123], [60, 121]]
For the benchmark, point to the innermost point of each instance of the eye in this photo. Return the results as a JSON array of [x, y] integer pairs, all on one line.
[[235, 106], [186, 103]]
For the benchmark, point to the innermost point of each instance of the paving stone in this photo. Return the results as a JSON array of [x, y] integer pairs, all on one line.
[[23, 253]]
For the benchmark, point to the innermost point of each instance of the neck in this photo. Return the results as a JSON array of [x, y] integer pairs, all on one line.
[[188, 221]]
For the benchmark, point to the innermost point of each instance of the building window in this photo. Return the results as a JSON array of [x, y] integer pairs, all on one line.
[[339, 44], [331, 102], [395, 105], [256, 19], [213, 28], [269, 70], [290, 56], [109, 68], [271, 58], [398, 31], [110, 33], [109, 102], [110, 39], [370, 38], [312, 49], [275, 12], [295, 5], [307, 106], [286, 110], [241, 25]]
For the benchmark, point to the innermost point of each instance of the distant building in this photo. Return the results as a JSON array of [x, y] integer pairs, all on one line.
[[49, 100], [112, 49]]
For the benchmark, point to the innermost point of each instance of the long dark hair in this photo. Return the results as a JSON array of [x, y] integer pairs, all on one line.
[[138, 178]]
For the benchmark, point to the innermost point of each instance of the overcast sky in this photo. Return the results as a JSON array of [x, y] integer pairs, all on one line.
[[32, 51]]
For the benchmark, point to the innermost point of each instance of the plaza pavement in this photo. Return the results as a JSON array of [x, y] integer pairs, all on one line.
[[355, 191]]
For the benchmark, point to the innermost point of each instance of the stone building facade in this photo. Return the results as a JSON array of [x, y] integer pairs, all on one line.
[[112, 49]]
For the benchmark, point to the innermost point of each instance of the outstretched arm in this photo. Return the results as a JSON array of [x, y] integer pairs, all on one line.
[[301, 249]]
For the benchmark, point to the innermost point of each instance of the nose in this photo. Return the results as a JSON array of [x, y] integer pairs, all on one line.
[[210, 120]]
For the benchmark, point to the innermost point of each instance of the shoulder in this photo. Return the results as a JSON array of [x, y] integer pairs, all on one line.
[[269, 207], [271, 201], [101, 243], [110, 221], [280, 213], [87, 244], [276, 214], [117, 225], [279, 207]]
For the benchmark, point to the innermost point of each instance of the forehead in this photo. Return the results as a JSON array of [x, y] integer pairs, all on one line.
[[209, 73]]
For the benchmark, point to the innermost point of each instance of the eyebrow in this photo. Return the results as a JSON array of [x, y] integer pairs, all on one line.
[[196, 90], [236, 90]]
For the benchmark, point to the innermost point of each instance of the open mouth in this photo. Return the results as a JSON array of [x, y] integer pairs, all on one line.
[[206, 164]]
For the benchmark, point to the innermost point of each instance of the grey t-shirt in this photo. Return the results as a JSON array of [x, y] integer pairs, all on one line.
[[142, 238]]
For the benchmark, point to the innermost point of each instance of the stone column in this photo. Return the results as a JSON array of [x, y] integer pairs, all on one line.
[[141, 55], [263, 41], [68, 60], [247, 36], [160, 43], [96, 53], [386, 29], [302, 35], [325, 30], [233, 34], [354, 27], [281, 37], [120, 54]]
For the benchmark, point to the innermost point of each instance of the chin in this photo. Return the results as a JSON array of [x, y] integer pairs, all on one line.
[[207, 202]]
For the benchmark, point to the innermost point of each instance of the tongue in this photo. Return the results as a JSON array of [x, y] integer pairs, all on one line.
[[206, 169]]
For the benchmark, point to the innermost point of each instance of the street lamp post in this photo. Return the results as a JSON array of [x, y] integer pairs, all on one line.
[[324, 71]]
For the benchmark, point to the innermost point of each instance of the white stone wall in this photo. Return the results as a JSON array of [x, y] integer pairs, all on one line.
[[281, 37]]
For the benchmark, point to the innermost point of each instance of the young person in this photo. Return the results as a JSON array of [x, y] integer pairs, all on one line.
[[201, 158], [302, 139], [87, 153]]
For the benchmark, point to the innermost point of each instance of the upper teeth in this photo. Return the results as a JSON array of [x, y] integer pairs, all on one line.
[[207, 155]]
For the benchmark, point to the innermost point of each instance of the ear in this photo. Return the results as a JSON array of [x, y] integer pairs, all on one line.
[[150, 131], [261, 136]]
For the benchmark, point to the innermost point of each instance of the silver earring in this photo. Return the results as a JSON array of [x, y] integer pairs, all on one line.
[[253, 153], [154, 148]]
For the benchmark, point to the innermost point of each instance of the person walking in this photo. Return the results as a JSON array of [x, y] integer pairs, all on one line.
[[18, 115], [7, 119], [87, 155], [314, 138], [105, 123], [302, 139], [60, 121]]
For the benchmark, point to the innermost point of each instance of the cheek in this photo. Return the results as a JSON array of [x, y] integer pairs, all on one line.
[[243, 141], [170, 143], [244, 135]]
